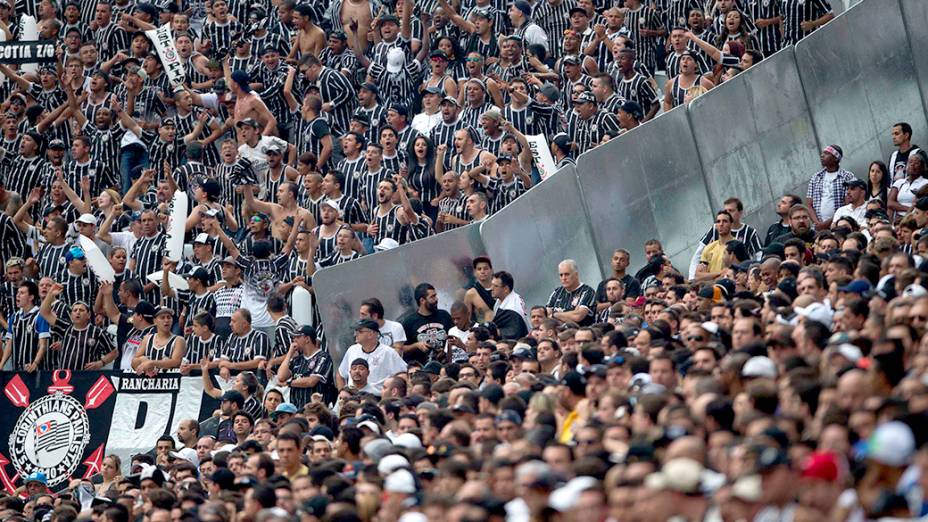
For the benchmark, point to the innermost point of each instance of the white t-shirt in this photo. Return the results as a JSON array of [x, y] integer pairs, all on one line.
[[384, 362], [827, 206], [906, 195], [423, 122], [391, 333], [258, 155], [857, 214]]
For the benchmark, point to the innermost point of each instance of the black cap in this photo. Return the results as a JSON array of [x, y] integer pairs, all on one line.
[[339, 35], [361, 118], [503, 157], [632, 108], [220, 85], [234, 396], [578, 9], [438, 54], [56, 144], [432, 367], [400, 109], [360, 362], [856, 183], [247, 121], [146, 310], [224, 478], [920, 203], [367, 323], [200, 273], [389, 18], [432, 89], [575, 383], [306, 331]]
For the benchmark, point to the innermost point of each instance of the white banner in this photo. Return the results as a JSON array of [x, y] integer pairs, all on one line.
[[164, 44], [542, 154]]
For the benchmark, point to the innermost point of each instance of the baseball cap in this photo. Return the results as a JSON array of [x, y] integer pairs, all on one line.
[[36, 476], [451, 100], [509, 415], [395, 60], [284, 407], [682, 475], [857, 286], [550, 91], [242, 78], [389, 463], [233, 396], [575, 382], [821, 465], [432, 89], [856, 183], [759, 366], [188, 454], [892, 444], [818, 312], [586, 97], [367, 323], [87, 219], [249, 122], [224, 478], [432, 367], [56, 144], [359, 361], [164, 310], [200, 274], [203, 239], [307, 331], [407, 440], [571, 59], [400, 481], [376, 449], [146, 310]]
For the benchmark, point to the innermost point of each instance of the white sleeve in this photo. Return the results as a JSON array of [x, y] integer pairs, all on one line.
[[122, 239], [399, 333], [537, 35], [694, 262], [210, 100], [343, 367]]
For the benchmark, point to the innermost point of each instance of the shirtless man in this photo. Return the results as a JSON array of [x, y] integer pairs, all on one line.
[[309, 38], [357, 14], [248, 104], [285, 207]]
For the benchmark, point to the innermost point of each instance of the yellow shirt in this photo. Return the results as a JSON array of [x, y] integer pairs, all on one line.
[[567, 433], [303, 471], [713, 255]]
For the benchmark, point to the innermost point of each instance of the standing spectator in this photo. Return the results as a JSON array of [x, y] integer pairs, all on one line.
[[827, 187]]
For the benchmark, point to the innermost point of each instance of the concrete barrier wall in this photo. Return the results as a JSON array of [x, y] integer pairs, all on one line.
[[529, 237], [756, 137]]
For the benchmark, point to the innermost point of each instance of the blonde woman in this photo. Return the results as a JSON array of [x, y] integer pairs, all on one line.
[[694, 92]]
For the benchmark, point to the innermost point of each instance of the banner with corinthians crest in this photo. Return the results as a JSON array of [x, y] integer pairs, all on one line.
[[64, 423]]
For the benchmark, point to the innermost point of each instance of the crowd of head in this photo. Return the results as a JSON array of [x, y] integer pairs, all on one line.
[[778, 376]]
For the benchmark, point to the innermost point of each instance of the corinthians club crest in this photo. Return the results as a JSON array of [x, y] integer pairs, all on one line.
[[53, 431]]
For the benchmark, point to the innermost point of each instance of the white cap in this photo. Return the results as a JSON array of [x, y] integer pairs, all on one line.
[[892, 444], [371, 425], [390, 463], [848, 351], [407, 440], [188, 454], [202, 238], [747, 488], [400, 481], [682, 475], [396, 58], [565, 497], [914, 290], [759, 366], [711, 327], [88, 219], [386, 243], [818, 312]]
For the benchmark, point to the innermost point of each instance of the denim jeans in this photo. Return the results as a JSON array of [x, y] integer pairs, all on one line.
[[130, 157]]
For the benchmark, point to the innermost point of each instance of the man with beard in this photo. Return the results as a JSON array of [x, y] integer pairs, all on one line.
[[800, 226], [384, 216], [426, 327]]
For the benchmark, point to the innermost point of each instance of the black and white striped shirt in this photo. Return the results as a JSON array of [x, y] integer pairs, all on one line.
[[25, 174], [195, 304], [80, 346], [283, 335], [502, 193], [795, 12], [51, 260], [335, 89], [369, 184], [769, 37], [351, 210], [101, 176], [378, 118], [148, 252], [25, 329], [104, 146], [220, 34], [589, 133], [81, 287], [638, 89], [645, 17], [248, 347], [199, 349], [387, 224], [353, 171]]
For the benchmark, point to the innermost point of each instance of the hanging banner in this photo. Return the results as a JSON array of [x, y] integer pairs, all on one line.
[[32, 51], [164, 44], [64, 423], [542, 154]]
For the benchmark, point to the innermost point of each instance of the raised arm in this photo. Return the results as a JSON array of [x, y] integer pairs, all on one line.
[[46, 309], [109, 306], [19, 219]]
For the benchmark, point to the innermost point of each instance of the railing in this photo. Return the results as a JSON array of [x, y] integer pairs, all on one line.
[[756, 137]]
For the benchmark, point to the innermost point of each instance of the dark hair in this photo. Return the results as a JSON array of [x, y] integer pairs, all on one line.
[[904, 127], [374, 306], [421, 291], [352, 437], [339, 178], [33, 290], [265, 495], [505, 278], [205, 319]]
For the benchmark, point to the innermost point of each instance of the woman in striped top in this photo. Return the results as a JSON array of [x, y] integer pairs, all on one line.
[[161, 349]]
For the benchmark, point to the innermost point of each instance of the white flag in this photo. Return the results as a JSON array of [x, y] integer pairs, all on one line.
[[542, 154], [164, 44]]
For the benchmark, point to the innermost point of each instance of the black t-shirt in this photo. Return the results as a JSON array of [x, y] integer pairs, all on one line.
[[631, 285], [430, 329]]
